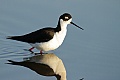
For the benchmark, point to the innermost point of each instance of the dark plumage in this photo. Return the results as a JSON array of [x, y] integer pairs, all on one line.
[[42, 35]]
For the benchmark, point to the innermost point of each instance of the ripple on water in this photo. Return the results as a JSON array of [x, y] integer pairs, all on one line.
[[11, 49]]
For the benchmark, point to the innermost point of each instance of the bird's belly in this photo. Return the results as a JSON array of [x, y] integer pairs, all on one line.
[[48, 46]]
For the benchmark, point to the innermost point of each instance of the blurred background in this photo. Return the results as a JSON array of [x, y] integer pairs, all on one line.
[[92, 54]]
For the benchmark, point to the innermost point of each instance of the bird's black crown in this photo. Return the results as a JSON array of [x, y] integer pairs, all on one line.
[[65, 16]]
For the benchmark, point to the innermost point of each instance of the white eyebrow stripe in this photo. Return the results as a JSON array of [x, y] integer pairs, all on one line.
[[66, 18]]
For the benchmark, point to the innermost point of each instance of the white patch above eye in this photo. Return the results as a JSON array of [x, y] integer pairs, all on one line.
[[66, 18]]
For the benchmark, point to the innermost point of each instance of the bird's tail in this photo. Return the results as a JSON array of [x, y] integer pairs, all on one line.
[[16, 63], [13, 37], [18, 38], [13, 62]]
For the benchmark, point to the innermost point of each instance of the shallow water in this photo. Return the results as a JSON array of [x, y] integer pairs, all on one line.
[[92, 53]]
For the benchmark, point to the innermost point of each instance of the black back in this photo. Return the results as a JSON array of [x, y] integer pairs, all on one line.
[[41, 35]]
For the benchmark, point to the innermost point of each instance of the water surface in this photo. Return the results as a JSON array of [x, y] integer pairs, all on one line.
[[93, 53]]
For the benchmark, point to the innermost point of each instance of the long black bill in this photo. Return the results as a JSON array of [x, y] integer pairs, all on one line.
[[76, 25]]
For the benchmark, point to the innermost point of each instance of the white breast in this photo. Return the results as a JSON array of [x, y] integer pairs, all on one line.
[[52, 44]]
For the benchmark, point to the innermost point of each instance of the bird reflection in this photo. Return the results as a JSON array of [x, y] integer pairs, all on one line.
[[46, 65]]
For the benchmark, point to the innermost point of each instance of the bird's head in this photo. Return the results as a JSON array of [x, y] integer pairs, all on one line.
[[66, 18]]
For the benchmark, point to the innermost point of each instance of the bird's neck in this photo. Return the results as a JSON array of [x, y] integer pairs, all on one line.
[[61, 76], [61, 26]]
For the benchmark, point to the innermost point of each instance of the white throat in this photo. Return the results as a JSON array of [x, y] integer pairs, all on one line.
[[63, 24]]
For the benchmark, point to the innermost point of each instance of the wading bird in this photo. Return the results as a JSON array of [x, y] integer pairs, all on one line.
[[47, 39]]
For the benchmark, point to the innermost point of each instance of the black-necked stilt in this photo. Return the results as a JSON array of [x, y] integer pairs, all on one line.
[[47, 39], [46, 65]]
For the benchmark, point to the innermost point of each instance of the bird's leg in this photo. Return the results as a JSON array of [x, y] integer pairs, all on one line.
[[31, 49]]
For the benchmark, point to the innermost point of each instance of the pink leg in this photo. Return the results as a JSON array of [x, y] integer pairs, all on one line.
[[31, 49]]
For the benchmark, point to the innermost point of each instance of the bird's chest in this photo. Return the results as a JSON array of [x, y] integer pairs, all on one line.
[[57, 39], [52, 44], [59, 36], [55, 42]]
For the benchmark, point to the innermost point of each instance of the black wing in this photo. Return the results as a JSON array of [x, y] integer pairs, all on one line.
[[42, 35]]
